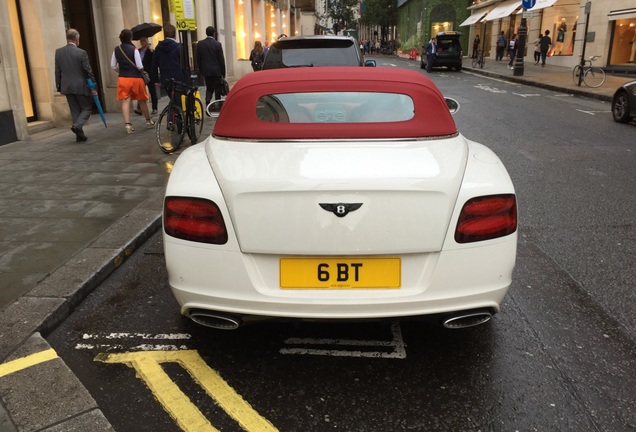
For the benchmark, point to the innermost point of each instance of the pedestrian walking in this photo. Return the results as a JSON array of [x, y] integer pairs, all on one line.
[[166, 59], [257, 56], [512, 50], [545, 44], [431, 53], [146, 53], [130, 85], [72, 69], [537, 50], [476, 42], [211, 64], [501, 46]]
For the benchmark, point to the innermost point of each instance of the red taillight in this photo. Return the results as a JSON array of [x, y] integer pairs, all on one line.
[[486, 218], [194, 219]]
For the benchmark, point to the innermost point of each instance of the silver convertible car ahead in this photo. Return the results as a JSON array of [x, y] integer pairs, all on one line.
[[338, 193]]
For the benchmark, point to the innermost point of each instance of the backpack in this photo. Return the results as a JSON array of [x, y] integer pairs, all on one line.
[[257, 63]]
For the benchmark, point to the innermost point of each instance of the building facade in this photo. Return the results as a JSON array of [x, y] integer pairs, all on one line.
[[611, 29], [421, 20], [31, 31]]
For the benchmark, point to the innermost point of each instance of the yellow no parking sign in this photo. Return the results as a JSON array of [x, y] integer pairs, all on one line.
[[184, 14]]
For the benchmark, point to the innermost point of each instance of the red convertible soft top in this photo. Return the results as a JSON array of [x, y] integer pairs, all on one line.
[[240, 118]]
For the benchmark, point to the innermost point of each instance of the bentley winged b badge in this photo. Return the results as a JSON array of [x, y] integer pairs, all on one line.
[[341, 209]]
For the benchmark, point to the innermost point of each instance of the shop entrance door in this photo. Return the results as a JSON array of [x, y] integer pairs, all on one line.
[[78, 14]]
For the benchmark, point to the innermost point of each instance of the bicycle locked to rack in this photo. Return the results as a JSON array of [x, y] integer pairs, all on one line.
[[183, 114], [592, 76]]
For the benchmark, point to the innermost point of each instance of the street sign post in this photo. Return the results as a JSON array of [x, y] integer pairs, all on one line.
[[528, 4]]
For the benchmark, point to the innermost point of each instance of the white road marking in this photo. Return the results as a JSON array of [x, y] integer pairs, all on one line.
[[397, 346], [117, 338], [136, 336], [526, 95], [490, 89], [593, 112]]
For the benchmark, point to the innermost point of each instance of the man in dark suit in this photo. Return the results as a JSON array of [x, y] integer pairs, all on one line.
[[167, 58], [211, 64], [146, 52], [431, 54], [72, 68]]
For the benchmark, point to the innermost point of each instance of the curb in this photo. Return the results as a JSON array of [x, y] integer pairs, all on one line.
[[43, 308]]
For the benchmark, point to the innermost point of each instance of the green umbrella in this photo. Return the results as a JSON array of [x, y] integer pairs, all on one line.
[[92, 86]]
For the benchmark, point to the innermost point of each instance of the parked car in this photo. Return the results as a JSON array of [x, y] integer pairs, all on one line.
[[322, 50], [338, 193], [624, 103], [449, 51]]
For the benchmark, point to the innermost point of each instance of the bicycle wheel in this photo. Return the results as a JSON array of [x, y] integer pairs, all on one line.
[[195, 123], [576, 72], [594, 77], [170, 129]]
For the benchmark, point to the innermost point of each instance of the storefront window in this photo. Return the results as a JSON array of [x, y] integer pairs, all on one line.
[[623, 49], [562, 22], [242, 50]]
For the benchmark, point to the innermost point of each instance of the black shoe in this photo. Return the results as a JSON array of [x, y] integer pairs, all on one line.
[[79, 134]]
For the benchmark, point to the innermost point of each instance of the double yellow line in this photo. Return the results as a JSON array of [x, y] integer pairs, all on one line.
[[147, 364]]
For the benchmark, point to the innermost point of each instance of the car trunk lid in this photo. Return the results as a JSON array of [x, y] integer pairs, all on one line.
[[339, 198]]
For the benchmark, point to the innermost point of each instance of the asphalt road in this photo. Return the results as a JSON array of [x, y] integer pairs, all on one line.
[[560, 355]]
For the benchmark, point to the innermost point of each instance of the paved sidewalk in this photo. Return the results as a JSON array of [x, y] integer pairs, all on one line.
[[556, 78], [70, 214]]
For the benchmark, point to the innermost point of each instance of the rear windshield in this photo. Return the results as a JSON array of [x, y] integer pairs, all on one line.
[[312, 52], [449, 45], [335, 107]]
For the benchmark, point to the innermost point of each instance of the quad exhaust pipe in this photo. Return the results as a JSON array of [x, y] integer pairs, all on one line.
[[216, 320], [467, 319]]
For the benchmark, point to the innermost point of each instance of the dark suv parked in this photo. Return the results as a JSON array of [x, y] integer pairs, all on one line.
[[307, 51], [449, 51]]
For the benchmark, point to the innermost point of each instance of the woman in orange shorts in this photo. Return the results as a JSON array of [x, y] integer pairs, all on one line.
[[130, 84]]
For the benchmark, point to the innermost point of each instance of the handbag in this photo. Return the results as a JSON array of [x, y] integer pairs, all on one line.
[[225, 87], [143, 73]]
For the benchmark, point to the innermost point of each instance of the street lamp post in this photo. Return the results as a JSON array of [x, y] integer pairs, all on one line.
[[521, 47], [523, 32]]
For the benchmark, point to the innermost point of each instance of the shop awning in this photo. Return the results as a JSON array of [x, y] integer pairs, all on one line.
[[622, 14], [541, 4], [475, 17], [503, 10]]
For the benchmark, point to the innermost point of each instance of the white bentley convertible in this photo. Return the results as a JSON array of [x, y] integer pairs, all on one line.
[[338, 193]]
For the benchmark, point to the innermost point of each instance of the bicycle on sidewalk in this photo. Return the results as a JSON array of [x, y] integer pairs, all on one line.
[[592, 76], [479, 60], [184, 113]]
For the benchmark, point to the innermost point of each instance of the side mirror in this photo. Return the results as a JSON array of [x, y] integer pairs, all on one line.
[[452, 104], [370, 63], [214, 108]]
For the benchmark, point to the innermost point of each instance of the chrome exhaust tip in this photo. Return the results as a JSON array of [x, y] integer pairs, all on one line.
[[215, 320], [467, 319]]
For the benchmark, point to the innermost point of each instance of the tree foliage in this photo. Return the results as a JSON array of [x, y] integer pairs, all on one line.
[[382, 13], [341, 11]]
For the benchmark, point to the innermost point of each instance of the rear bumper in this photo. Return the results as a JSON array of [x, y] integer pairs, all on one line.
[[244, 284]]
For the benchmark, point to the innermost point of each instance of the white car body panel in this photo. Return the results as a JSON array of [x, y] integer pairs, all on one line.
[[254, 185]]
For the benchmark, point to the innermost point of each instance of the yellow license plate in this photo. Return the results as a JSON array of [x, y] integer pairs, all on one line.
[[340, 273]]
